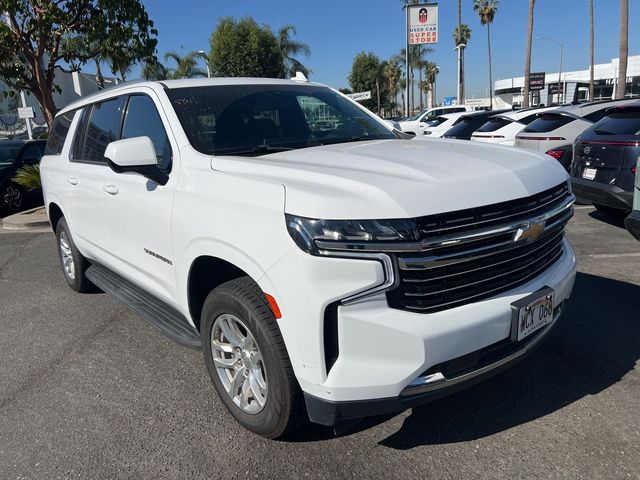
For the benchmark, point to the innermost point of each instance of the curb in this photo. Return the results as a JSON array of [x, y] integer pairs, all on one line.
[[26, 221]]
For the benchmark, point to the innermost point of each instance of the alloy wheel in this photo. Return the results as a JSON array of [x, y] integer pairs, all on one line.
[[67, 256]]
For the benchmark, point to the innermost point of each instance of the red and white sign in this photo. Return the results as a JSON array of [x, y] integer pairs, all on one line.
[[423, 24]]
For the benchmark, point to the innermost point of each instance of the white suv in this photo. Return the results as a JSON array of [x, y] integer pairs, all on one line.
[[327, 268]]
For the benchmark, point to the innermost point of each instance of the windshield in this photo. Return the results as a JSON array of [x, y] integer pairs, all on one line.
[[8, 155], [260, 119]]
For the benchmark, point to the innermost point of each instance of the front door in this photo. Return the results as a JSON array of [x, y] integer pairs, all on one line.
[[139, 210]]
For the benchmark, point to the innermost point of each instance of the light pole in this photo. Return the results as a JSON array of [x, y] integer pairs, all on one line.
[[560, 93], [459, 48], [206, 60]]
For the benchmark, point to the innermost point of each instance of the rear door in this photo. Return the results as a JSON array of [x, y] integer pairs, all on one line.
[[138, 209], [84, 195]]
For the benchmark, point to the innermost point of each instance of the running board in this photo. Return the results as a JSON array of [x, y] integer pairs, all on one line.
[[162, 316]]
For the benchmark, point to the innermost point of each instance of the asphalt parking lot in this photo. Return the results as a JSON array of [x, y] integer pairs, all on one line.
[[89, 390]]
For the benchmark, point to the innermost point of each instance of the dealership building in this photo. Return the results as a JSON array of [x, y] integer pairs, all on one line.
[[573, 86]]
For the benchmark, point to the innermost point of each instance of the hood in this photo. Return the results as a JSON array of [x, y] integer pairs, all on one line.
[[398, 178]]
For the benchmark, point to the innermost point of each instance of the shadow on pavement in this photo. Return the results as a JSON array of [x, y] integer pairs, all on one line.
[[595, 344], [613, 220]]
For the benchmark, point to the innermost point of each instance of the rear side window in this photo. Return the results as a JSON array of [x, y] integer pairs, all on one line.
[[461, 126], [32, 153], [142, 120], [99, 126], [619, 123], [596, 116], [493, 124], [547, 122], [58, 133], [528, 119]]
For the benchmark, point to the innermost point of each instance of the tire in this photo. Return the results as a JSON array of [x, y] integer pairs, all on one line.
[[74, 265], [613, 212], [11, 197], [240, 306]]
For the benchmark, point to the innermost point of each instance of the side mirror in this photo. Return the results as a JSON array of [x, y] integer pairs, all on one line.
[[135, 155]]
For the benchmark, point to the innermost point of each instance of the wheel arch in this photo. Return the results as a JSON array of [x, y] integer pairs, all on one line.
[[206, 273], [55, 214]]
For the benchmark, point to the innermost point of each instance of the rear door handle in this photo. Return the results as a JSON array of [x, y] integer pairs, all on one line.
[[72, 180], [110, 189]]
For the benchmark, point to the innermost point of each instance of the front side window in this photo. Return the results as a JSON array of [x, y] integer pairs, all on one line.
[[260, 119], [99, 126], [142, 119]]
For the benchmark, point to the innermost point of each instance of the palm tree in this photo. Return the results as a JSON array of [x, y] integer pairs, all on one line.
[[486, 10], [461, 36], [186, 65], [624, 48], [419, 63], [289, 48], [391, 74], [152, 69], [592, 50], [527, 61], [430, 72]]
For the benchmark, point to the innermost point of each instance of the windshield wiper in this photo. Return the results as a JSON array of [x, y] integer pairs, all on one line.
[[264, 148]]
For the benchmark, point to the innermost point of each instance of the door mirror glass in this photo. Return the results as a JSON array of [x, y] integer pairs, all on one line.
[[135, 155]]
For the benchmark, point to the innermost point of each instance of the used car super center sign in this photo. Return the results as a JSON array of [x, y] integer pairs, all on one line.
[[423, 24]]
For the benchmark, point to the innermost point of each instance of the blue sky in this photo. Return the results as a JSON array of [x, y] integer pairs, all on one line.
[[337, 30]]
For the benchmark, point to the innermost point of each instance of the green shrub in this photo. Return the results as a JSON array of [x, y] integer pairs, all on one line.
[[28, 177]]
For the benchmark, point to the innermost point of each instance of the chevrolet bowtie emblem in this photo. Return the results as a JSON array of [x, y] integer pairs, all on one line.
[[530, 232]]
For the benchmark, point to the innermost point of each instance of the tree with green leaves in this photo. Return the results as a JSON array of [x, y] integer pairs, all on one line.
[[245, 49], [186, 65], [32, 32], [486, 10], [391, 73], [461, 36], [290, 48], [430, 73], [366, 75]]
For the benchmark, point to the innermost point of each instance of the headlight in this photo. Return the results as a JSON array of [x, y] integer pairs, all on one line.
[[312, 235]]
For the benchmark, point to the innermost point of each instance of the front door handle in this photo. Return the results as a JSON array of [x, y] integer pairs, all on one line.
[[110, 189], [72, 180]]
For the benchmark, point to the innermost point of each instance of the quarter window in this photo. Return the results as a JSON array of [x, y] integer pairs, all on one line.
[[58, 134], [142, 120]]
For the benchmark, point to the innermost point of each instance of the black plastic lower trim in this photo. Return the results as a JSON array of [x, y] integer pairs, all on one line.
[[604, 194], [329, 413], [632, 222], [158, 313]]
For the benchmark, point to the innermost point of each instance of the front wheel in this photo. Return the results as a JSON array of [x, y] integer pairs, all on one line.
[[73, 263], [247, 360]]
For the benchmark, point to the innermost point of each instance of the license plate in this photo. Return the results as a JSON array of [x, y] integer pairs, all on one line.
[[589, 173], [532, 313]]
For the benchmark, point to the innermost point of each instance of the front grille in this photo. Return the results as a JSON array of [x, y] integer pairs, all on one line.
[[472, 253]]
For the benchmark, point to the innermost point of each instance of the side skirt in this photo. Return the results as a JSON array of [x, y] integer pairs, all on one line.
[[158, 313]]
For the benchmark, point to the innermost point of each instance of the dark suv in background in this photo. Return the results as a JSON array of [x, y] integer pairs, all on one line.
[[17, 154], [605, 160]]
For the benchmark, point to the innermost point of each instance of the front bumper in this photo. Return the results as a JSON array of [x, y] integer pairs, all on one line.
[[434, 386], [632, 222], [602, 193]]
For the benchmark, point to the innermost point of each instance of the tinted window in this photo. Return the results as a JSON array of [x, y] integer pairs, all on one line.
[[8, 154], [462, 127], [142, 120], [58, 133], [528, 119], [547, 122], [596, 116], [260, 119], [100, 126], [620, 123], [32, 153], [493, 124]]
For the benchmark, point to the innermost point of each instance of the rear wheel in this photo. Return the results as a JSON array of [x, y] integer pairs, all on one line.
[[74, 265], [247, 360], [614, 212]]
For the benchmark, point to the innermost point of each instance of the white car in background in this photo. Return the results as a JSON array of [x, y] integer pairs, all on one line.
[[441, 124], [555, 132], [502, 129], [417, 124]]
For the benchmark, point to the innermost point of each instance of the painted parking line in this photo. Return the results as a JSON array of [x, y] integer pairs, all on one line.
[[614, 255]]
